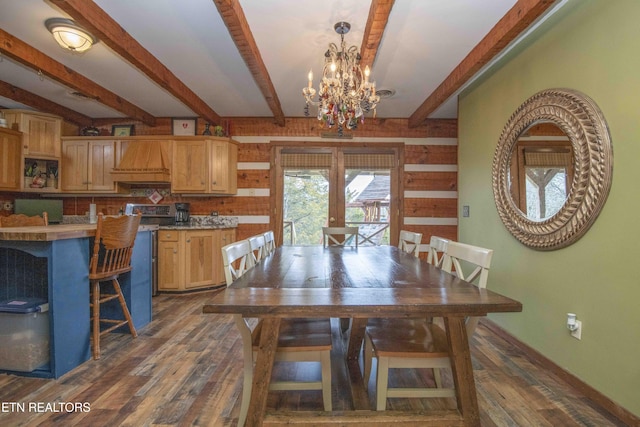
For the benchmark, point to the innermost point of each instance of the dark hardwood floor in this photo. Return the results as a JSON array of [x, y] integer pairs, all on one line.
[[185, 368]]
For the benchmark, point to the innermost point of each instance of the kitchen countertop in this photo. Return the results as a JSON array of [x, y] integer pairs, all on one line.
[[197, 227], [55, 232]]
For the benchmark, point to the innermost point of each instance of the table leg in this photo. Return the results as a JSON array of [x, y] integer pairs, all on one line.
[[462, 370], [262, 371], [356, 336]]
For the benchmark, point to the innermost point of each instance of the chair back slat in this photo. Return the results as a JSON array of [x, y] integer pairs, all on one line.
[[460, 255], [269, 243], [340, 236], [21, 220], [257, 244], [113, 244], [236, 259], [437, 248], [409, 242]]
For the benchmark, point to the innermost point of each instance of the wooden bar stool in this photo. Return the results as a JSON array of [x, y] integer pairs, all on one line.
[[111, 257]]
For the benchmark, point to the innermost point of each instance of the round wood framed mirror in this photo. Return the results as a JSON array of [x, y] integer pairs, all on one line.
[[580, 119]]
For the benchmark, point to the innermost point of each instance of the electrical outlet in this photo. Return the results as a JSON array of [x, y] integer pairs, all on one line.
[[214, 213], [577, 334], [465, 211]]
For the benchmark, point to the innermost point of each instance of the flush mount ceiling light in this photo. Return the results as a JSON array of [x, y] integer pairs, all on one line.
[[345, 92], [70, 35]]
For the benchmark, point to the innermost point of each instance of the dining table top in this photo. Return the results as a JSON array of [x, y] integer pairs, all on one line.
[[367, 281]]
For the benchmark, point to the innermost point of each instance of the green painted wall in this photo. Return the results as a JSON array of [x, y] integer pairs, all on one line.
[[592, 46]]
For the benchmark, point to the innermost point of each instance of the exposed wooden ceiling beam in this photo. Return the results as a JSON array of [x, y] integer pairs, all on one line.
[[97, 21], [516, 20], [21, 52], [373, 31], [42, 104], [233, 17]]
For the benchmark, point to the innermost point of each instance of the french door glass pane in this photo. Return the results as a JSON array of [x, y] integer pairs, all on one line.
[[367, 196], [305, 206]]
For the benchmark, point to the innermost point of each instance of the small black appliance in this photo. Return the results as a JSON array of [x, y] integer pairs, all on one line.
[[182, 213]]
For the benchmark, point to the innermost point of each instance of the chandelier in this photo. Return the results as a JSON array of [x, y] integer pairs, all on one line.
[[345, 93]]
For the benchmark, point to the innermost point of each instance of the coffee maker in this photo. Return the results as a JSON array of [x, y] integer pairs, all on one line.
[[182, 213]]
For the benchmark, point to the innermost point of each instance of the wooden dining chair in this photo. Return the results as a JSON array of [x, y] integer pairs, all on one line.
[[257, 244], [437, 248], [270, 243], [419, 343], [409, 242], [340, 236], [21, 220], [299, 340], [111, 257]]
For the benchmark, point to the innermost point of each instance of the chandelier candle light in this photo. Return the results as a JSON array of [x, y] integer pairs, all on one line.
[[345, 92]]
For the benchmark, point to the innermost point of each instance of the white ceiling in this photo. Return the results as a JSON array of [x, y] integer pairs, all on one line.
[[423, 42]]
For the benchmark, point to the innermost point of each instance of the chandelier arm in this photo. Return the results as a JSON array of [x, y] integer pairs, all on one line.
[[345, 93]]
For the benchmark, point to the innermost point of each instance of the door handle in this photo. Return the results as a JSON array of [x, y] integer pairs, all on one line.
[[332, 219]]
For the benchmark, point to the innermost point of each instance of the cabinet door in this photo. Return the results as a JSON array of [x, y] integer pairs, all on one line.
[[102, 159], [223, 163], [74, 171], [198, 258], [10, 173], [42, 135], [189, 171], [169, 265]]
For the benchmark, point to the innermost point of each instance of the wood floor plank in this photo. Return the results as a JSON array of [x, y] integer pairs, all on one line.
[[185, 369]]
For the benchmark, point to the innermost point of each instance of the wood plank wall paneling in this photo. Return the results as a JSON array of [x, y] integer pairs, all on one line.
[[431, 208], [256, 178], [247, 230], [430, 156], [431, 181], [249, 152]]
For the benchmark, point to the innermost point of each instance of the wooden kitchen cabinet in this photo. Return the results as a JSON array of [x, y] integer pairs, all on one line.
[[191, 259], [87, 165], [223, 160], [10, 169], [190, 169], [168, 260], [41, 132], [204, 165], [199, 258]]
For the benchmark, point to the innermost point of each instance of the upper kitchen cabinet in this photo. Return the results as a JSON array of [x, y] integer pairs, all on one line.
[[87, 165], [10, 148], [41, 132], [204, 165]]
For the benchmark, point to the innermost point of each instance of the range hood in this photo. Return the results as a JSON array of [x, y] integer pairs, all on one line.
[[144, 162]]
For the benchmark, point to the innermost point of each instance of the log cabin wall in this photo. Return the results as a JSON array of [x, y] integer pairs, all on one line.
[[429, 176]]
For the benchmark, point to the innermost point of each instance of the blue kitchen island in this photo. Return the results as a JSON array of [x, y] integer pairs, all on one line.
[[52, 263]]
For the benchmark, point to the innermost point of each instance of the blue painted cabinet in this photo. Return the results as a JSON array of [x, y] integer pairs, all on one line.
[[65, 263]]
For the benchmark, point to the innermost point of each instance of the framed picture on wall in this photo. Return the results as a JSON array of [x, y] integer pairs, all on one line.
[[122, 130], [184, 126]]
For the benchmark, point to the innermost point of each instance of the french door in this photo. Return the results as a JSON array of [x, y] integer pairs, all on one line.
[[335, 185]]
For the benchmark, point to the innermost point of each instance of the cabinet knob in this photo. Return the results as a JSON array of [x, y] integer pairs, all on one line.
[[188, 240], [214, 182]]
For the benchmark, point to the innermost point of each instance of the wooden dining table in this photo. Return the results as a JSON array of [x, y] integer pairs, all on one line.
[[357, 283]]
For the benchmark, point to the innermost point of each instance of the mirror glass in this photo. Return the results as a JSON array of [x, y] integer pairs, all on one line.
[[552, 169], [541, 171]]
